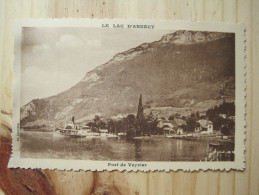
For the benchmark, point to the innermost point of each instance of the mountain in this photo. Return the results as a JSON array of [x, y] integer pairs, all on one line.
[[182, 69]]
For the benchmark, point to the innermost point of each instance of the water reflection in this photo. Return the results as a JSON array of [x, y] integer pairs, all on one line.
[[179, 146], [45, 145], [137, 150]]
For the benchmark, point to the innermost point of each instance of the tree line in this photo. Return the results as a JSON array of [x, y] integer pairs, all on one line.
[[141, 124]]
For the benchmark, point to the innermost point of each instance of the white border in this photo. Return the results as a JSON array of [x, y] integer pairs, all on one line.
[[60, 164]]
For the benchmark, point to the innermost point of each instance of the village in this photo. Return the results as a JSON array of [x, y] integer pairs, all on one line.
[[216, 123], [216, 127]]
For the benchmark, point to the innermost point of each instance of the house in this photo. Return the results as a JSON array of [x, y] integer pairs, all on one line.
[[204, 126], [179, 122], [179, 125], [166, 126], [179, 131], [172, 126]]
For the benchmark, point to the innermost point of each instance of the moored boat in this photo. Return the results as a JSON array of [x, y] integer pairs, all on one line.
[[75, 130], [71, 131], [223, 151]]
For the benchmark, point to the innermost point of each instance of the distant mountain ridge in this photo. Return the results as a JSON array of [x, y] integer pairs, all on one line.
[[181, 69], [179, 37]]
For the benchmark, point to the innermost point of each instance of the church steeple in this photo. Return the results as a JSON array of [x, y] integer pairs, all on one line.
[[140, 100], [140, 114]]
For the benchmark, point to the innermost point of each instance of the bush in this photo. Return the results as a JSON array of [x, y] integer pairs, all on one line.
[[225, 130]]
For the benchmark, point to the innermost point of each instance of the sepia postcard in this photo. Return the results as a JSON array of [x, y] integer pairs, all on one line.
[[134, 95]]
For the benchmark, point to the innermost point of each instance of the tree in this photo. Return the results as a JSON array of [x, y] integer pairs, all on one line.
[[152, 126], [140, 116], [227, 108], [171, 117], [177, 115], [150, 117], [218, 122], [97, 121], [102, 124], [111, 126], [184, 118], [197, 115], [190, 124], [131, 126], [91, 124], [225, 130]]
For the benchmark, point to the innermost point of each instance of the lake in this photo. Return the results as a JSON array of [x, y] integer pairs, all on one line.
[[35, 144]]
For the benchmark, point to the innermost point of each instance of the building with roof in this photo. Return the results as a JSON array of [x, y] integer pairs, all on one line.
[[179, 125], [167, 127], [172, 126], [204, 126]]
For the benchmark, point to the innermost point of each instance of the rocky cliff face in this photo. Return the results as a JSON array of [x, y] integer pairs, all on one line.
[[182, 69]]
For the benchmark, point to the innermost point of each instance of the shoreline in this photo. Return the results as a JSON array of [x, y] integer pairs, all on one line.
[[216, 138]]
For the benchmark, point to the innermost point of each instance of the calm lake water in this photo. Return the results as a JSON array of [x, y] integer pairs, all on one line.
[[46, 145]]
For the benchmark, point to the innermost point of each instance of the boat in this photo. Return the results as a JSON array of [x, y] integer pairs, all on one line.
[[121, 134], [75, 130], [145, 137], [221, 152], [100, 134], [71, 130]]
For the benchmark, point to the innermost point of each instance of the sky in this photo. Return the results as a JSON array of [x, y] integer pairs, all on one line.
[[55, 59]]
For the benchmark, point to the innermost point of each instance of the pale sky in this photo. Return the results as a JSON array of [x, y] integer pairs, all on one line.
[[55, 59]]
